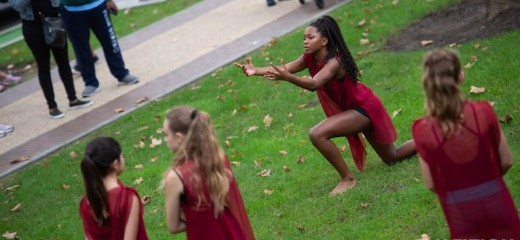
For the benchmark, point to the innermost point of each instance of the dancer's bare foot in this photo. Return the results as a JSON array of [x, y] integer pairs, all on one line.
[[343, 185]]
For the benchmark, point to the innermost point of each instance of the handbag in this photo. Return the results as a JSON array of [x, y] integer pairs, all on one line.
[[53, 32]]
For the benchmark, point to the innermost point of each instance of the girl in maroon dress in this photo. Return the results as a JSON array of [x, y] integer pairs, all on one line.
[[109, 210], [351, 107], [202, 196], [463, 154]]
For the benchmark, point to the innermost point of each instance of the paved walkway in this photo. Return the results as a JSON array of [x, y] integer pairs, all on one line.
[[166, 56]]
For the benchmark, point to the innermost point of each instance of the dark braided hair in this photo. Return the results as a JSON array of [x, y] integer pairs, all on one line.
[[328, 28]]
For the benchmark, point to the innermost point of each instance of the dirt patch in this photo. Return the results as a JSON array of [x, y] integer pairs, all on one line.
[[462, 22]]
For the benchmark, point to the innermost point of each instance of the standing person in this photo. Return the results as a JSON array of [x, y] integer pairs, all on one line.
[[81, 16], [31, 12], [463, 154], [109, 210], [351, 107], [202, 196]]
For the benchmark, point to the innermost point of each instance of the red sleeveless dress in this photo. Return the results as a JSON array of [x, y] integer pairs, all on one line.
[[118, 205], [201, 224], [465, 169], [339, 95]]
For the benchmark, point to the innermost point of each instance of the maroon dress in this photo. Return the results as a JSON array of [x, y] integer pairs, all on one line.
[[466, 173], [119, 206], [339, 95], [201, 223]]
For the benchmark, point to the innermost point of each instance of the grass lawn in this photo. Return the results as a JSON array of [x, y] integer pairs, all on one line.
[[389, 202], [19, 54]]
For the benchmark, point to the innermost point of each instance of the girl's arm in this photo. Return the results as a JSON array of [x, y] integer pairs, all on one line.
[[173, 186], [250, 70], [331, 69], [19, 5], [506, 158], [426, 174], [132, 224]]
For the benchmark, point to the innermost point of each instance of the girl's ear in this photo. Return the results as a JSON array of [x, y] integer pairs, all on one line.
[[324, 42], [179, 136], [460, 80]]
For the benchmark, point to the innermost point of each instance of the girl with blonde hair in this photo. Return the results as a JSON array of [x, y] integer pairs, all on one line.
[[463, 154], [202, 196]]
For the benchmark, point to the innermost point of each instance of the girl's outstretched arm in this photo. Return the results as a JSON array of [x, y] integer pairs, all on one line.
[[250, 70], [173, 187], [331, 69]]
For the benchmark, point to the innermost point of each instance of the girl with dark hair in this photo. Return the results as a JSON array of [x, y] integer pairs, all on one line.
[[352, 108], [202, 196], [463, 154], [109, 209]]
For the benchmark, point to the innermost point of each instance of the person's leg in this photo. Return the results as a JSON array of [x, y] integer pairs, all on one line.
[[62, 60], [388, 152], [33, 35], [102, 27], [343, 124], [78, 32]]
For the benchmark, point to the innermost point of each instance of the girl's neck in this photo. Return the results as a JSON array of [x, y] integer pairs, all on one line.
[[320, 55], [110, 181]]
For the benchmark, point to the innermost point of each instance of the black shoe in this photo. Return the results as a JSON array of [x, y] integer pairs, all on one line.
[[55, 113], [302, 1], [320, 3], [80, 104]]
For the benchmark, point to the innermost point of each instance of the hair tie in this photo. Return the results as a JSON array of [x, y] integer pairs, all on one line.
[[193, 114]]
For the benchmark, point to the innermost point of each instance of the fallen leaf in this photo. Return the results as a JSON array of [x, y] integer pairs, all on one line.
[[138, 181], [155, 142], [11, 188], [268, 192], [157, 118], [10, 66], [138, 166], [476, 46], [119, 110], [395, 2], [508, 118], [159, 130], [396, 112], [252, 128], [127, 11], [365, 34], [283, 153], [425, 43], [300, 227], [475, 90], [20, 159], [425, 236], [132, 25], [273, 42], [228, 143], [142, 129], [142, 100], [364, 205], [65, 186], [286, 168], [290, 115], [264, 173], [267, 120], [235, 163], [452, 45], [300, 159], [364, 41], [9, 235], [342, 148], [73, 155], [361, 23], [146, 199], [492, 104], [27, 67], [258, 163], [234, 112], [16, 208], [154, 159]]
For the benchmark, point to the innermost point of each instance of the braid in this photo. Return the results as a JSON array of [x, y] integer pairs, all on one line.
[[329, 28]]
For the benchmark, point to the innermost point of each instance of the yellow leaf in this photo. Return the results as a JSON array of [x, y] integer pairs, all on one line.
[[264, 173], [9, 235], [396, 112], [267, 120], [127, 11], [361, 23], [268, 192], [258, 163], [138, 181], [154, 159], [425, 236], [155, 142], [342, 148], [289, 115], [364, 205], [235, 163], [16, 208], [73, 155], [364, 41], [65, 186], [252, 128], [283, 153], [475, 90], [234, 112], [425, 43], [138, 166], [228, 143], [395, 2], [11, 188]]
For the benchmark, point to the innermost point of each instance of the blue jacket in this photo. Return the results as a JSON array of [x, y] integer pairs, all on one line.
[[25, 9]]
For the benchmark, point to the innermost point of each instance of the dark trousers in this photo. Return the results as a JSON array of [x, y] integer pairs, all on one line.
[[78, 26], [33, 35]]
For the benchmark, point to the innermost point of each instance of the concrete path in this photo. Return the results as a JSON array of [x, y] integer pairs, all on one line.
[[166, 56]]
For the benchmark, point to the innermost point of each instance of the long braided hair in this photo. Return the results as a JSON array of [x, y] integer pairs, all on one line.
[[329, 28]]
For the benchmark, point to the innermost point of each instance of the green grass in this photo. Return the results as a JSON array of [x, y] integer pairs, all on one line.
[[389, 202], [19, 54]]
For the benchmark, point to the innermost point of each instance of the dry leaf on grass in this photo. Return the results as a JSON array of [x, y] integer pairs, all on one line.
[[155, 142], [16, 208], [252, 128], [342, 148], [227, 143], [9, 235], [138, 166], [396, 112], [73, 155], [363, 41], [154, 159], [235, 163], [65, 186], [395, 2], [365, 205], [264, 173], [258, 163], [234, 112], [283, 153], [268, 192], [475, 90], [146, 199], [20, 159], [267, 120], [361, 23], [424, 236], [425, 43], [300, 159], [138, 181], [286, 168], [11, 188]]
